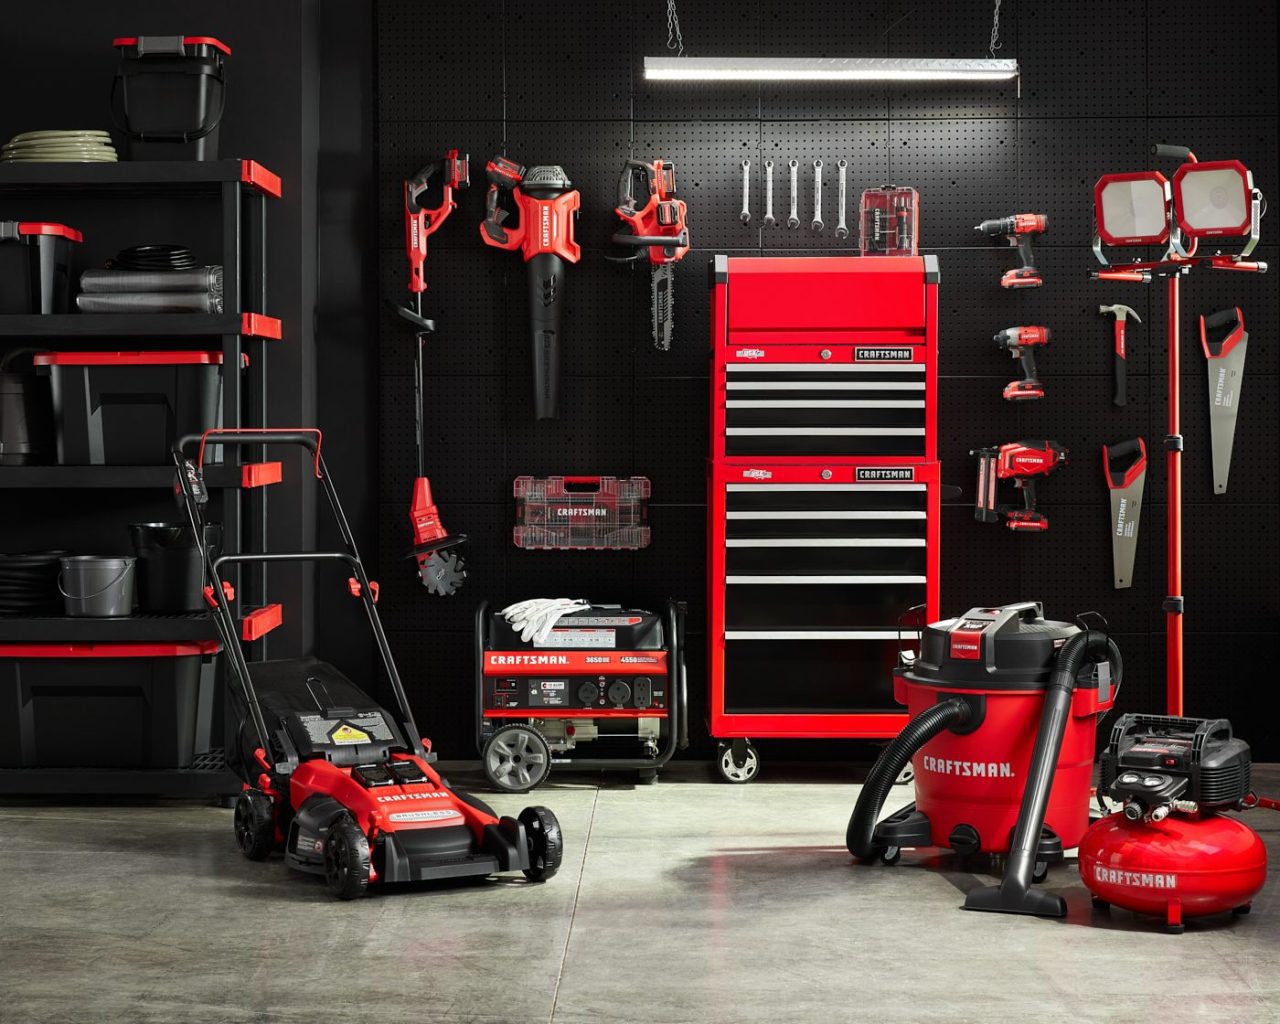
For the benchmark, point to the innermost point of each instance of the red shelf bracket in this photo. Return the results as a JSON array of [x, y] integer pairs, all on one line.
[[260, 474], [261, 621], [259, 325], [254, 174]]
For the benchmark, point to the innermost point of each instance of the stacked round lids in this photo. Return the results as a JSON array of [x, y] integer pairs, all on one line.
[[79, 146]]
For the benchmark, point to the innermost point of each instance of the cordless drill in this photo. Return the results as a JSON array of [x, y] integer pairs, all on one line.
[[1021, 343], [1021, 462], [1019, 229]]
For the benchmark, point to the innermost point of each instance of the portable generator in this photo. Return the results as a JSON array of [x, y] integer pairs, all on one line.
[[1169, 851], [1004, 705], [604, 674]]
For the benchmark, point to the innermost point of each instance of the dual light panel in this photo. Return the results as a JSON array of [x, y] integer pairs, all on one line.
[[1210, 200]]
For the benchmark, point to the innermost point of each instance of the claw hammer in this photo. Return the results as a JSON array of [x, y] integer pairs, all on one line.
[[1122, 313]]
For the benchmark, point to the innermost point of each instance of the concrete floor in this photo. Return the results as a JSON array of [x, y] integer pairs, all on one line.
[[686, 901]]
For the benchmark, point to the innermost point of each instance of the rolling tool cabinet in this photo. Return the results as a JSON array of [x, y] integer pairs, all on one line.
[[824, 494]]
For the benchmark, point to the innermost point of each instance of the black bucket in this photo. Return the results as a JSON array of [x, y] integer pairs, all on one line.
[[170, 93], [170, 570]]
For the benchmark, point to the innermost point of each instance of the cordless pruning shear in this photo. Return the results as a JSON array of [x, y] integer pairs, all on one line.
[[659, 227], [421, 222]]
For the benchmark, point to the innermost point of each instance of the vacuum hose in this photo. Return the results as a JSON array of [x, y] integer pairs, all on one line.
[[859, 836], [1014, 894]]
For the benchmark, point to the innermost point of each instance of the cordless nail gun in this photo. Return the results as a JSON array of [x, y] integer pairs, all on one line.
[[547, 208], [658, 228], [1021, 462], [1019, 229], [440, 569]]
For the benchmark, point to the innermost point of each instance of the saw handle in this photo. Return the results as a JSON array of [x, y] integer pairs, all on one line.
[[1124, 462]]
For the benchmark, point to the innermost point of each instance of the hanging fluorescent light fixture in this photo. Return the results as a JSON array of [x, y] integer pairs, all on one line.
[[829, 69]]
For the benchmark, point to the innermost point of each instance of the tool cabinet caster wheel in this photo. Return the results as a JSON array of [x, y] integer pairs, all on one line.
[[255, 824], [516, 758], [346, 858], [1099, 903], [1040, 872], [730, 770], [891, 855], [646, 776], [546, 845]]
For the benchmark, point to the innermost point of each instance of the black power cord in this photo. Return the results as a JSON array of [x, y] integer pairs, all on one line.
[[154, 257]]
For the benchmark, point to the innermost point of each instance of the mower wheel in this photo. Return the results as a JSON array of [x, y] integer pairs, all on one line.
[[346, 858], [731, 771], [255, 824], [516, 758], [1040, 872], [546, 845], [891, 855]]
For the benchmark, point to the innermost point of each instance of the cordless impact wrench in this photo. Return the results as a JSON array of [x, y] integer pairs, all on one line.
[[1021, 462], [1021, 343], [1019, 229], [547, 209]]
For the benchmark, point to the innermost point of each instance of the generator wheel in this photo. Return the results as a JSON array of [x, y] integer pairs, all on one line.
[[546, 845], [346, 858], [731, 772], [516, 758], [1040, 872], [891, 855], [255, 824]]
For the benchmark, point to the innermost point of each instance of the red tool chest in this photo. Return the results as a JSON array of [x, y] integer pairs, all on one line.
[[824, 493]]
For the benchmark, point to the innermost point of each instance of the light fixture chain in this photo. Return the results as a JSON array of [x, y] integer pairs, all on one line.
[[995, 29], [674, 40]]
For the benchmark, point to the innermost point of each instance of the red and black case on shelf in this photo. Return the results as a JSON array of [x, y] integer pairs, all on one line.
[[824, 493]]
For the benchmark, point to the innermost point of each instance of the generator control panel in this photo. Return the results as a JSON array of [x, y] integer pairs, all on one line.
[[578, 692]]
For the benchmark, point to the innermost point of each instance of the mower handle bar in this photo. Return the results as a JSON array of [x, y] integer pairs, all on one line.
[[306, 437]]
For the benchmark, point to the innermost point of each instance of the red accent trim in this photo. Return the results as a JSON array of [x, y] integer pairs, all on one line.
[[261, 621], [259, 325], [1173, 487], [1246, 182], [353, 586], [217, 44], [803, 727], [1131, 474], [265, 181], [576, 663], [158, 650], [1230, 342], [260, 474], [227, 589], [575, 713], [966, 644], [42, 227], [129, 359], [1115, 240]]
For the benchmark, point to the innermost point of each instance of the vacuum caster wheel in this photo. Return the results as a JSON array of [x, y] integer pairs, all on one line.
[[730, 770], [646, 776], [1175, 929], [891, 855], [1241, 910], [516, 758], [546, 845], [1040, 872], [255, 824], [1099, 903], [346, 858]]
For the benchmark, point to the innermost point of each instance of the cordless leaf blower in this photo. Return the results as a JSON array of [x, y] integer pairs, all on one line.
[[441, 570], [1005, 705], [547, 208]]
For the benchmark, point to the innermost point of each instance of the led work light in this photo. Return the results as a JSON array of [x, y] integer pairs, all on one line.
[[1216, 199]]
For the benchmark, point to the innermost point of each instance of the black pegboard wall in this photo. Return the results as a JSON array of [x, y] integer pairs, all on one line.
[[564, 84]]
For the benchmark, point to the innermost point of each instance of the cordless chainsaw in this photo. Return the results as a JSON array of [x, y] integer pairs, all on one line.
[[547, 209], [441, 569], [1021, 462], [657, 232]]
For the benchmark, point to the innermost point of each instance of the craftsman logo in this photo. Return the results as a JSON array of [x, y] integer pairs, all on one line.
[[424, 815], [757, 474], [1123, 527], [1135, 879], [884, 355], [395, 798], [582, 512], [528, 659], [1219, 391], [749, 353], [888, 473], [413, 234], [969, 769], [546, 227]]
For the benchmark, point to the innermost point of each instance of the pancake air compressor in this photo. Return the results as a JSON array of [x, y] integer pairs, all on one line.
[[1004, 706], [1170, 851]]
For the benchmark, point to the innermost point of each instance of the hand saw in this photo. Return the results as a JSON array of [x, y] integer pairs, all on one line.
[[1224, 339], [1125, 467]]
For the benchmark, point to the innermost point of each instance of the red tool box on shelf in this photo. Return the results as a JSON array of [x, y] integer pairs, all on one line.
[[824, 497]]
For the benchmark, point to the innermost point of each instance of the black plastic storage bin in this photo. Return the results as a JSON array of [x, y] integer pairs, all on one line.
[[105, 705], [168, 95], [35, 266], [170, 569], [26, 415], [128, 408]]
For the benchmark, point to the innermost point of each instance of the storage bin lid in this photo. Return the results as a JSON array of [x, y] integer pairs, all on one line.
[[131, 358], [19, 229], [140, 42]]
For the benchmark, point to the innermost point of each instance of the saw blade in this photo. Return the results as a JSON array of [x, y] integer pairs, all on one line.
[[664, 304], [1226, 375], [442, 572], [1125, 466]]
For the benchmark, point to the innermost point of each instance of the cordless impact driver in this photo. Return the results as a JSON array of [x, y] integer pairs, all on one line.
[[1019, 229], [1021, 462], [1021, 343]]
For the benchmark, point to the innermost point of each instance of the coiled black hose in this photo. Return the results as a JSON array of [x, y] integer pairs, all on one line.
[[859, 836]]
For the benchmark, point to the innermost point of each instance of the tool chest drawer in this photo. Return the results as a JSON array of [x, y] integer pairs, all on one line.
[[825, 674]]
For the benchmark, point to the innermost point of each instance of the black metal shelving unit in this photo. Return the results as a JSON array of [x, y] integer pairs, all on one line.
[[241, 189]]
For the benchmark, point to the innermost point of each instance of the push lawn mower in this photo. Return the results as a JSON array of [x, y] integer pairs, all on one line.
[[344, 786]]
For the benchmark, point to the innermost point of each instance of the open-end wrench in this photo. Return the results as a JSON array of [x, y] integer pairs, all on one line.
[[745, 215], [793, 221], [816, 225], [768, 194], [842, 229]]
